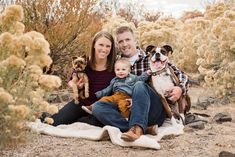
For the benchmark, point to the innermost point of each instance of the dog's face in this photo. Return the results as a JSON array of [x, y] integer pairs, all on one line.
[[79, 63], [158, 58]]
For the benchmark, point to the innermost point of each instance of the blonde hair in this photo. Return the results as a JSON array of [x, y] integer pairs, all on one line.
[[123, 61], [123, 29]]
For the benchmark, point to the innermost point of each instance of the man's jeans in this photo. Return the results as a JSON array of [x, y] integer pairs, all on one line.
[[146, 110]]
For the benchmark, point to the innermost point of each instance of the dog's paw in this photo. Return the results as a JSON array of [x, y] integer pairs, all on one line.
[[76, 101], [48, 120], [75, 96]]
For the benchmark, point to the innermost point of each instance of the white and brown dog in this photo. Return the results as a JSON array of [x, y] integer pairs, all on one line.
[[81, 90], [163, 79]]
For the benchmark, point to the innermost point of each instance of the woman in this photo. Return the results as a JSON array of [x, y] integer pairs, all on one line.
[[99, 71]]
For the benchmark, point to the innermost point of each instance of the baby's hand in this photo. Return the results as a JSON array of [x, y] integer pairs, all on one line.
[[129, 104], [149, 72], [70, 83]]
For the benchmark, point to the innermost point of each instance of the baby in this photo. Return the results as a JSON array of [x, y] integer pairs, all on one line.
[[120, 88]]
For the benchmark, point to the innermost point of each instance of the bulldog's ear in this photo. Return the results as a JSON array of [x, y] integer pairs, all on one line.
[[168, 48], [149, 49], [84, 56]]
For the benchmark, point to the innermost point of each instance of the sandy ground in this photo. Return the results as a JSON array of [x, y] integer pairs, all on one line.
[[208, 142]]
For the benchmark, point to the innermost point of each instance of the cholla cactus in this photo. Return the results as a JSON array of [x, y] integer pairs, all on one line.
[[22, 83]]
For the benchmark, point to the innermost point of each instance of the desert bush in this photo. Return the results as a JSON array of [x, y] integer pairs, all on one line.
[[217, 55], [23, 85], [68, 26], [157, 33]]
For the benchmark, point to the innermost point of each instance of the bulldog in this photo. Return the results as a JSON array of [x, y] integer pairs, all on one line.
[[163, 79]]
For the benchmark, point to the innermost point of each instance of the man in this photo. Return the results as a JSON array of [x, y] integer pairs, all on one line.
[[146, 106]]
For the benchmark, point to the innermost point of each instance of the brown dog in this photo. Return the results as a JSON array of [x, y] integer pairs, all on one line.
[[163, 79], [79, 76]]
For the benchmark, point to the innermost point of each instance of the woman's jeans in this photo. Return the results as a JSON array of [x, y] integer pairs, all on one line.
[[146, 110], [71, 113]]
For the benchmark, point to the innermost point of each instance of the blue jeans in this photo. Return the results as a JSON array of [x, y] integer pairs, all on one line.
[[146, 110]]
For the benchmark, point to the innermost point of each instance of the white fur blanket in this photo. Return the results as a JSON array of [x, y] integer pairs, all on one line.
[[86, 131]]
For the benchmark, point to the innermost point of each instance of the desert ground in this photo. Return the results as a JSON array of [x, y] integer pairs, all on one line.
[[209, 141]]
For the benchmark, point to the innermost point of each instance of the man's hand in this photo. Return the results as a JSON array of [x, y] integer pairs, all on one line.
[[174, 93], [129, 104]]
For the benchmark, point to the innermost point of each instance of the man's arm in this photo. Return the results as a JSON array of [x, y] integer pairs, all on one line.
[[183, 78]]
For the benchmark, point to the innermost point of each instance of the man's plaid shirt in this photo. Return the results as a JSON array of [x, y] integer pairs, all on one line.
[[142, 64]]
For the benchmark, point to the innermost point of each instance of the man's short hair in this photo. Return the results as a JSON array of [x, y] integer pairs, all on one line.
[[123, 29]]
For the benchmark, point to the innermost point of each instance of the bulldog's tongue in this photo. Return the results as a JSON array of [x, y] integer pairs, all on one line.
[[157, 64]]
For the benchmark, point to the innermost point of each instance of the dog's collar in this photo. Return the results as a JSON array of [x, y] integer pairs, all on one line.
[[79, 71], [160, 72]]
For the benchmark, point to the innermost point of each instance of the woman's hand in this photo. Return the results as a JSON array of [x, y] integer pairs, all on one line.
[[79, 83], [129, 104], [70, 83]]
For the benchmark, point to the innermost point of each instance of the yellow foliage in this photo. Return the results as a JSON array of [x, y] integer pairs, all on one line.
[[23, 84]]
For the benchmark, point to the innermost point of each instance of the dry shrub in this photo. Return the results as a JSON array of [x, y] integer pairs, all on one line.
[[67, 25], [157, 33], [217, 54], [23, 85]]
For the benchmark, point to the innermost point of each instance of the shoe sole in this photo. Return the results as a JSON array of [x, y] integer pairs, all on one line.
[[152, 131], [86, 109], [128, 138]]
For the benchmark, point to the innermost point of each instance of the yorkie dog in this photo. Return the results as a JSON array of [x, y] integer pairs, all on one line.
[[79, 81]]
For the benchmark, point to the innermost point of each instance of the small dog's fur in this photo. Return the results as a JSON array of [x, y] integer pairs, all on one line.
[[163, 79], [81, 91]]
